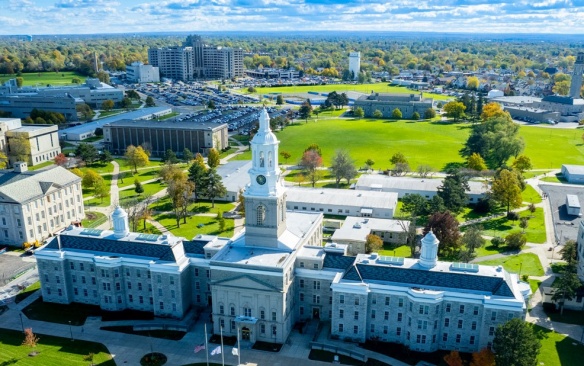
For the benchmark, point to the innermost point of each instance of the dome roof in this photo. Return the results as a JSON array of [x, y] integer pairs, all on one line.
[[119, 212]]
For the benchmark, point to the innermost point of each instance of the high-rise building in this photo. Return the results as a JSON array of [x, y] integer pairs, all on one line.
[[355, 64], [197, 60], [576, 84], [140, 73]]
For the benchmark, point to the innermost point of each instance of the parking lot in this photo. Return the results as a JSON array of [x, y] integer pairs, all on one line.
[[12, 264], [565, 226]]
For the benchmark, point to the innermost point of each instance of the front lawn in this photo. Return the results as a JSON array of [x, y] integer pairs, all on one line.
[[195, 225], [41, 165], [400, 251], [27, 292], [199, 207], [530, 195], [535, 231], [489, 249], [149, 190], [59, 78], [127, 179], [99, 167], [528, 263], [93, 219], [557, 349], [52, 351]]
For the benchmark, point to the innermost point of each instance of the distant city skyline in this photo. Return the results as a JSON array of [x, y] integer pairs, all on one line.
[[123, 16]]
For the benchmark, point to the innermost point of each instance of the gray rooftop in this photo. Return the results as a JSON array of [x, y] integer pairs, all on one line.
[[409, 184], [22, 187], [234, 174], [167, 124], [357, 228], [574, 169], [332, 196]]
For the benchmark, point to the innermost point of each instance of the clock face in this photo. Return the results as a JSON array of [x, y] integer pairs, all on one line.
[[261, 179]]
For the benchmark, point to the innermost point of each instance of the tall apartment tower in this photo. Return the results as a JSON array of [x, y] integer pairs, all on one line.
[[355, 64], [577, 76], [173, 62]]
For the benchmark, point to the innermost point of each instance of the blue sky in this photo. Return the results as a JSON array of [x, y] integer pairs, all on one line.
[[121, 16]]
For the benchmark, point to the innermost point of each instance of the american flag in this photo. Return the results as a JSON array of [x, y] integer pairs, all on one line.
[[199, 348]]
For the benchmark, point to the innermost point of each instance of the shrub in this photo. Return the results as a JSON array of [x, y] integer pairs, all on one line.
[[513, 216], [497, 241], [484, 205], [515, 240]]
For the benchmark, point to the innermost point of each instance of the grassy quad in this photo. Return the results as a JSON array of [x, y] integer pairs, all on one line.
[[535, 232], [53, 78], [208, 225], [432, 143], [53, 351], [149, 189], [528, 263]]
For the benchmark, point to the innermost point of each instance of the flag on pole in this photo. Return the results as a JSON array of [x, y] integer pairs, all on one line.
[[216, 351], [199, 348], [235, 352]]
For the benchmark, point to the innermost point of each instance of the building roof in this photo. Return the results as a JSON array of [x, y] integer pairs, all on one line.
[[34, 128], [234, 174], [516, 100], [167, 248], [91, 126], [344, 197], [487, 279], [357, 228], [409, 184], [167, 124], [573, 169], [22, 187], [338, 261]]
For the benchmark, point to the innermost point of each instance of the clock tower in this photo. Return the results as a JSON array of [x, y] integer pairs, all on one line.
[[265, 197]]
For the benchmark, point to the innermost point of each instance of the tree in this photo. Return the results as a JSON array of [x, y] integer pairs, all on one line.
[[150, 101], [221, 220], [398, 158], [359, 113], [524, 223], [472, 240], [515, 344], [506, 190], [87, 152], [493, 110], [170, 157], [103, 77], [369, 163], [453, 191], [279, 99], [3, 160], [107, 105], [85, 110], [138, 187], [77, 172], [472, 83], [377, 114], [569, 253], [476, 162], [453, 359], [126, 103], [132, 94], [396, 114], [196, 173], [305, 111], [90, 179], [213, 158], [561, 87], [136, 156], [424, 170], [515, 240], [445, 227], [101, 189], [211, 104], [61, 159], [314, 146], [373, 243], [187, 155], [180, 190], [19, 81], [105, 157], [30, 339], [285, 155], [565, 288], [169, 172], [484, 357], [251, 89], [212, 186], [429, 113], [343, 167], [454, 110], [415, 204], [311, 161], [416, 116], [20, 148], [522, 163], [496, 140]]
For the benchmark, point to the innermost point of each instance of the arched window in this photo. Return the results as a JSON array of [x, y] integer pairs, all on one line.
[[261, 159], [269, 159], [261, 215]]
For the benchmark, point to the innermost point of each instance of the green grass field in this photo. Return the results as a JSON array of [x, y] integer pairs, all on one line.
[[52, 78], [343, 88], [27, 292], [126, 179], [191, 228], [53, 351], [432, 143], [401, 251], [149, 190], [535, 232], [41, 165], [531, 265], [557, 349], [530, 195]]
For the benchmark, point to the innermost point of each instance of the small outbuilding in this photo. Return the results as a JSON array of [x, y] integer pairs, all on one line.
[[573, 173], [573, 205]]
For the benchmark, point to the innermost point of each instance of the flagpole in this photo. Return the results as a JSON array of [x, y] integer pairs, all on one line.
[[222, 353], [238, 349], [206, 348]]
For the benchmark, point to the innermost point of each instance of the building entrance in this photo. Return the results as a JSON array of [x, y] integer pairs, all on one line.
[[245, 333], [315, 313]]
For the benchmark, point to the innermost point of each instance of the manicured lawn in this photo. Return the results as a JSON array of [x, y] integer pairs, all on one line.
[[97, 202], [556, 178], [127, 179], [93, 219], [150, 229], [246, 155], [534, 285], [432, 143], [342, 88], [149, 190], [489, 249], [535, 232], [191, 228], [569, 317], [167, 116], [531, 265], [27, 292], [99, 167], [557, 349], [199, 207], [530, 195], [52, 78], [533, 173], [401, 251], [41, 165], [468, 213], [53, 351]]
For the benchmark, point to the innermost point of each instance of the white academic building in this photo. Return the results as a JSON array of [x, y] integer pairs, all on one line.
[[277, 272], [42, 139]]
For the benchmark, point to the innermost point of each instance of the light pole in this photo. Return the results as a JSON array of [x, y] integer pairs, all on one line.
[[21, 322], [71, 331]]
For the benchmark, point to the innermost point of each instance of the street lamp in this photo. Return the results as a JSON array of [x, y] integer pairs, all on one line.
[[21, 322], [71, 331]]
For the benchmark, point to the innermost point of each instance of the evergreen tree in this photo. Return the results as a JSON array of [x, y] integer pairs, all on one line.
[[453, 191], [515, 344]]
